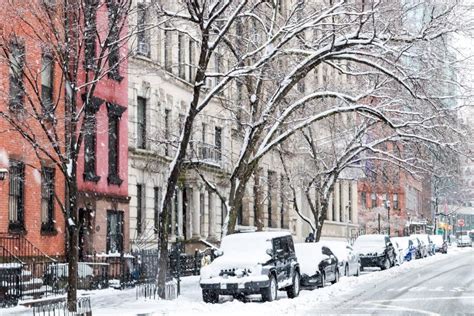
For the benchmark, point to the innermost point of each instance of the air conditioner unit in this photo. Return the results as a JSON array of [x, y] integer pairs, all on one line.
[[143, 49]]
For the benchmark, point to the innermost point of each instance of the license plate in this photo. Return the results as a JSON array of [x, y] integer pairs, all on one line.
[[223, 286], [241, 286]]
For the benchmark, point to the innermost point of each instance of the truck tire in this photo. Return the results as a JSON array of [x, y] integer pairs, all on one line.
[[210, 296], [270, 293], [294, 290]]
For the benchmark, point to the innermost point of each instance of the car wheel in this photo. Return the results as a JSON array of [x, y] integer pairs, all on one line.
[[294, 290], [336, 277], [386, 264], [346, 270], [270, 293], [210, 296]]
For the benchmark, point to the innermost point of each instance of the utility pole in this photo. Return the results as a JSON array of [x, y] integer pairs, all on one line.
[[379, 221], [388, 216]]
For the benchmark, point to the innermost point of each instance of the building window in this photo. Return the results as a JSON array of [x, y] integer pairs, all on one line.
[[240, 214], [219, 61], [201, 212], [282, 201], [218, 142], [16, 196], [301, 86], [143, 40], [192, 56], [168, 45], [17, 63], [363, 199], [114, 38], [90, 148], [341, 207], [373, 197], [141, 122], [114, 231], [47, 73], [223, 213], [167, 132], [156, 207], [140, 208], [90, 31], [349, 205], [114, 113], [181, 54], [47, 200], [395, 201]]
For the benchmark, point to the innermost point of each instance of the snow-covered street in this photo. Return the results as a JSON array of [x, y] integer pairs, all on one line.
[[437, 285]]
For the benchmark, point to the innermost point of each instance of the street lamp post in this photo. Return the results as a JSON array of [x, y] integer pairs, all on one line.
[[388, 215]]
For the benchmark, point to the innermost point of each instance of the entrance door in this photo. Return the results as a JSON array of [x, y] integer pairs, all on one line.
[[85, 231]]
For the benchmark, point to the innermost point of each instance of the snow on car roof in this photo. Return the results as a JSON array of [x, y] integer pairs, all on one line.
[[256, 235], [309, 256], [372, 237], [339, 248]]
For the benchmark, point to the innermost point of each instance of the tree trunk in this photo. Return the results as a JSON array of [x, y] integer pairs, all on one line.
[[320, 221], [73, 246], [258, 201]]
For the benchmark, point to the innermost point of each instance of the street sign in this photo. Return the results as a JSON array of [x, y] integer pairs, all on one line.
[[461, 222]]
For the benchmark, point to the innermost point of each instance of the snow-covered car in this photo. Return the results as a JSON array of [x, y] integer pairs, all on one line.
[[252, 263], [375, 251], [407, 246], [440, 244], [318, 264], [425, 239], [421, 250], [399, 252], [464, 241], [349, 262]]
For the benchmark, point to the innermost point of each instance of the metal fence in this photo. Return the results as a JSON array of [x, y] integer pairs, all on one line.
[[56, 308]]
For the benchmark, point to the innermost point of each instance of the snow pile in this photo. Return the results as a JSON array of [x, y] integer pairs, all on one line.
[[113, 302]]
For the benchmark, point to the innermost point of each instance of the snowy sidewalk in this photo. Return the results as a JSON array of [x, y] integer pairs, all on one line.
[[115, 302]]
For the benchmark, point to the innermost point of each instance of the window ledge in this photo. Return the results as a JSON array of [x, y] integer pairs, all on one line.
[[115, 76], [16, 228], [91, 177], [48, 229], [114, 179]]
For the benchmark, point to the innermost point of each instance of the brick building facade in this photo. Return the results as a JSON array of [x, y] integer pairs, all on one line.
[[29, 195]]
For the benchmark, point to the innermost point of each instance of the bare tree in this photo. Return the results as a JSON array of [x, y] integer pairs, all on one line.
[[81, 52], [271, 51]]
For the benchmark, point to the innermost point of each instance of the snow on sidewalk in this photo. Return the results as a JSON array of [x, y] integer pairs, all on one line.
[[115, 302]]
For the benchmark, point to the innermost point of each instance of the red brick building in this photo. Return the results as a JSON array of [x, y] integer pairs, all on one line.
[[390, 195], [103, 171], [31, 196], [30, 213]]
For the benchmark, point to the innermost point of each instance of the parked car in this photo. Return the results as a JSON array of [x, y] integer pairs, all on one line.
[[407, 246], [399, 252], [318, 264], [464, 241], [425, 239], [375, 251], [349, 261], [421, 250], [252, 263], [440, 244]]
